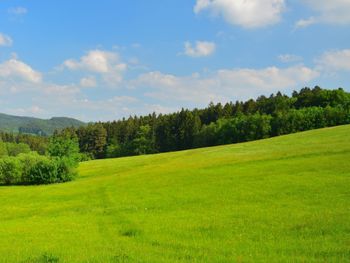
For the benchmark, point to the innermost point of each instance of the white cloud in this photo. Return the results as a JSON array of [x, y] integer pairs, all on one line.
[[337, 60], [328, 11], [201, 49], [248, 14], [14, 68], [106, 63], [5, 40], [88, 82], [19, 10], [288, 58], [223, 85], [96, 61]]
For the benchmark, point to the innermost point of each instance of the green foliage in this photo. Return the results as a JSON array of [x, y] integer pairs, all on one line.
[[66, 169], [45, 171], [64, 149], [36, 143], [217, 124], [3, 149], [83, 157], [10, 170], [28, 161], [93, 140], [114, 150], [32, 168], [143, 143], [15, 149], [64, 146], [240, 129], [309, 118]]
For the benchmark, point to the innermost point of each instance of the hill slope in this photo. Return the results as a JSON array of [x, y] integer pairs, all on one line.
[[9, 123], [284, 199]]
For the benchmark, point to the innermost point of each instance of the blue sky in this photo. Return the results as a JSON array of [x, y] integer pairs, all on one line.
[[108, 59]]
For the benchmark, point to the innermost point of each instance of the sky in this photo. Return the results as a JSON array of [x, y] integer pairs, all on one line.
[[109, 59]]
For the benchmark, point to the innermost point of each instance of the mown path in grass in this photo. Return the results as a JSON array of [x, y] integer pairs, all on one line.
[[284, 199]]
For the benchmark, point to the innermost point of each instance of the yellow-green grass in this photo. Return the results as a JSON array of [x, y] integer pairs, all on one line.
[[285, 199]]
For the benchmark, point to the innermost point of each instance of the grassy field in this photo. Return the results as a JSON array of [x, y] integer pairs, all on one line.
[[284, 199]]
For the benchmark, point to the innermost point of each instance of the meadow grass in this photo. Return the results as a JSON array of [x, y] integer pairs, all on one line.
[[285, 199]]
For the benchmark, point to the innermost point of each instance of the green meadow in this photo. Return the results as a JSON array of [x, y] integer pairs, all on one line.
[[284, 199]]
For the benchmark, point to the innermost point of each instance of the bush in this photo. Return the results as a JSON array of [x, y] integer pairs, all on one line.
[[45, 171], [65, 169], [84, 157], [28, 161], [31, 168], [10, 171]]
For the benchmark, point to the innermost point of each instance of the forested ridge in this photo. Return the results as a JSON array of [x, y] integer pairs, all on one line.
[[217, 124], [30, 125]]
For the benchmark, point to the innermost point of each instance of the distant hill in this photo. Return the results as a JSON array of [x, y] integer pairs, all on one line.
[[9, 123]]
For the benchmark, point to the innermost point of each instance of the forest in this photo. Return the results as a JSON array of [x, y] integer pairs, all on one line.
[[29, 159], [216, 124]]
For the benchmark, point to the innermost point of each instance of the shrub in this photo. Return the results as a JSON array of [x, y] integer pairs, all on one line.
[[27, 167], [10, 171], [28, 161], [45, 171], [33, 168], [65, 169], [84, 157]]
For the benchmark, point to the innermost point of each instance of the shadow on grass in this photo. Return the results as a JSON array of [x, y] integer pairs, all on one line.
[[44, 258], [130, 232]]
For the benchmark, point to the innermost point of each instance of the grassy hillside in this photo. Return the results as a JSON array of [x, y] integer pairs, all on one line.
[[9, 123], [284, 199]]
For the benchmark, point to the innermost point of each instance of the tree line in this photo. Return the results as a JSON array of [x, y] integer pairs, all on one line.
[[214, 125], [36, 143], [29, 159]]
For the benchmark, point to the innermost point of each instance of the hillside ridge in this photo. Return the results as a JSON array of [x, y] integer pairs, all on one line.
[[37, 126]]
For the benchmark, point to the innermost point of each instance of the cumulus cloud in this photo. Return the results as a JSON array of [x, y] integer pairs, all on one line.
[[337, 60], [5, 40], [106, 63], [330, 12], [200, 49], [96, 61], [248, 14], [17, 69]]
